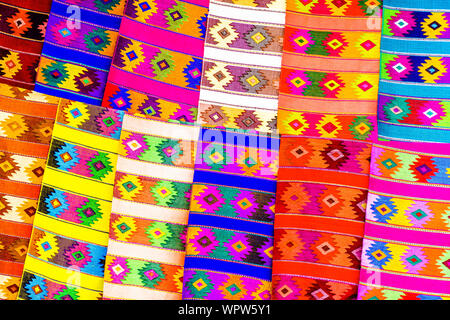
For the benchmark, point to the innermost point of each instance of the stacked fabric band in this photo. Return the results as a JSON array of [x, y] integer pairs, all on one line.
[[66, 255], [78, 49], [230, 234], [22, 29], [414, 100], [26, 124], [327, 106]]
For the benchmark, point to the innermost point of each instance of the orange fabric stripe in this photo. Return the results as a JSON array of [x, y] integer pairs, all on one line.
[[329, 64], [296, 103], [11, 268], [24, 147], [316, 271], [31, 108], [320, 223], [19, 189], [324, 176], [15, 229], [302, 20]]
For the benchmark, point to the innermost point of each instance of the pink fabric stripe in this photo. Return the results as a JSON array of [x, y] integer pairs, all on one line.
[[151, 87], [434, 148], [409, 236], [171, 40], [408, 190], [408, 283]]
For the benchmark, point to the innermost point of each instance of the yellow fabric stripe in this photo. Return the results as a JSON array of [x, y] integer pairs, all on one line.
[[69, 230], [77, 184], [85, 139], [64, 275]]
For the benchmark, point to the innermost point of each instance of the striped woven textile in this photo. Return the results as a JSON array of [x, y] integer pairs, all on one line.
[[66, 255], [26, 124], [406, 252], [150, 209], [414, 100], [78, 49], [230, 228], [157, 64], [22, 30], [327, 119], [242, 64]]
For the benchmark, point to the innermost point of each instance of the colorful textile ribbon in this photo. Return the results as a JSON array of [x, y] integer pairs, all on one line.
[[22, 30], [406, 252], [327, 107], [26, 124], [242, 65], [66, 256], [156, 72], [150, 209], [230, 233], [414, 100], [78, 49]]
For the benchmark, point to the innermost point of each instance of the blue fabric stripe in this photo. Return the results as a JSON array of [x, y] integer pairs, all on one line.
[[404, 133], [419, 90], [228, 267], [424, 47], [76, 56], [232, 224], [234, 181], [96, 18], [240, 139], [418, 4], [66, 95]]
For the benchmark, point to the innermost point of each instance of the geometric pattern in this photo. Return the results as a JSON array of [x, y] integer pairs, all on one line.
[[329, 75], [241, 70], [77, 55], [413, 100], [327, 121], [22, 25], [26, 126], [66, 256], [405, 252], [152, 191], [230, 235], [158, 76]]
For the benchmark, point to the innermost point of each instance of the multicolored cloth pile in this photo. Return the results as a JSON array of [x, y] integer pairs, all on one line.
[[224, 150]]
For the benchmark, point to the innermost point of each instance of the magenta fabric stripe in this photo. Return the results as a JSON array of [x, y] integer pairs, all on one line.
[[407, 190], [398, 234], [437, 286], [152, 87], [153, 35]]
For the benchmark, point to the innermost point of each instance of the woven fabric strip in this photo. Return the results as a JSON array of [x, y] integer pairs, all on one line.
[[414, 99], [22, 29], [156, 71], [242, 65], [26, 125], [66, 255], [150, 209], [230, 232], [78, 49], [406, 253], [327, 107]]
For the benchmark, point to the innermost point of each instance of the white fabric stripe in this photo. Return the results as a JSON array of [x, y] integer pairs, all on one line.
[[254, 102], [250, 14], [117, 291], [147, 169], [157, 128], [137, 251], [148, 211], [251, 59]]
